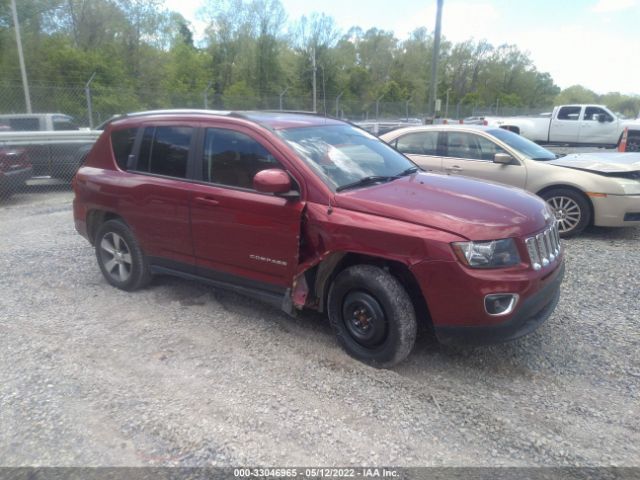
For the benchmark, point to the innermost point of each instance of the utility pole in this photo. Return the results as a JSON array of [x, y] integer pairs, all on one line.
[[313, 61], [87, 92], [433, 91], [23, 70]]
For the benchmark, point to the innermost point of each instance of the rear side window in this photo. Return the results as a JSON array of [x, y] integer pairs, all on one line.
[[122, 143], [421, 143], [165, 151], [233, 158], [569, 113]]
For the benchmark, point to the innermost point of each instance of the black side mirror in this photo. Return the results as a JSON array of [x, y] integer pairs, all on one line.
[[601, 117]]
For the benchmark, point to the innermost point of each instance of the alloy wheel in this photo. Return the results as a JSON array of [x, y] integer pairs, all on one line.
[[567, 213], [116, 256]]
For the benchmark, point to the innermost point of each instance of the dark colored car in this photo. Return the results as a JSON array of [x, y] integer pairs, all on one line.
[[308, 212], [15, 170]]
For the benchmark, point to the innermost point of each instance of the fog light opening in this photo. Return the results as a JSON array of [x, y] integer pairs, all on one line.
[[500, 303]]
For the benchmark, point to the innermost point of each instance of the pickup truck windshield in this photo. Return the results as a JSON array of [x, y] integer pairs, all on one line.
[[346, 157], [522, 145]]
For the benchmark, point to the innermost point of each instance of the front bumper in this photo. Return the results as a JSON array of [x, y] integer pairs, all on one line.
[[455, 296], [528, 316], [616, 211]]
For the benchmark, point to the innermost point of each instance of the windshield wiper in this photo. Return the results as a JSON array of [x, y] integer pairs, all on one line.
[[408, 171], [366, 181], [377, 178]]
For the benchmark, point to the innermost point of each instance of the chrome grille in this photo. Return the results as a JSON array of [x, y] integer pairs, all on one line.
[[544, 247]]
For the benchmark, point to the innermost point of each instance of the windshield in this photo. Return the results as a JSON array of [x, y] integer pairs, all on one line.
[[343, 155], [522, 145]]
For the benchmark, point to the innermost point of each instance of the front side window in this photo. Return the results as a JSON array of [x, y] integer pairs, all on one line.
[[232, 158], [592, 114], [342, 155], [569, 113], [165, 151], [62, 122], [471, 146], [420, 143]]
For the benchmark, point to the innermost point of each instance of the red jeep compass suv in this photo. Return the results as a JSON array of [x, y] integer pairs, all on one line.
[[304, 211]]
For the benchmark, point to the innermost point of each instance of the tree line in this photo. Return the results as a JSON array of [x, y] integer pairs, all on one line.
[[144, 56]]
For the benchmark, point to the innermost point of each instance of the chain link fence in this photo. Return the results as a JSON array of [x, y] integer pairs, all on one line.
[[39, 153]]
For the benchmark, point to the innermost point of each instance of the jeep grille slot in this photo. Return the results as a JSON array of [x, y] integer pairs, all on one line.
[[544, 247]]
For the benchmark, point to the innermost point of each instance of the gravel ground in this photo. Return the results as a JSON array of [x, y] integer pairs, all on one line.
[[182, 374]]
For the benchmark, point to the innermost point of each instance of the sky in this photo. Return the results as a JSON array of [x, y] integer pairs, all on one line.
[[593, 43]]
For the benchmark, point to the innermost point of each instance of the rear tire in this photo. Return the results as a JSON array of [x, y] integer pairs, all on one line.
[[372, 316], [633, 144], [120, 257], [571, 209]]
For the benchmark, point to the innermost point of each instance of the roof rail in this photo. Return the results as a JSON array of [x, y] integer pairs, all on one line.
[[176, 111]]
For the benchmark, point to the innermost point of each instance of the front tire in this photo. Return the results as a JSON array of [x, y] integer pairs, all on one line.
[[372, 316], [120, 257], [571, 209]]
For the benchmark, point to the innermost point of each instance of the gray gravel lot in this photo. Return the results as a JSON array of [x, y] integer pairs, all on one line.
[[182, 374]]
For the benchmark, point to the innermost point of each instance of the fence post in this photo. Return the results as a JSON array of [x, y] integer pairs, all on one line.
[[338, 104], [206, 95], [378, 105], [282, 95], [87, 91]]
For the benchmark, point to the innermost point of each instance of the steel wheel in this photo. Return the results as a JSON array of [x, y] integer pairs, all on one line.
[[372, 315], [364, 318], [116, 256], [567, 212]]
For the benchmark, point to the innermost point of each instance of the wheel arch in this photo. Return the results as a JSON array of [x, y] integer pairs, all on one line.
[[97, 217], [577, 190], [321, 276]]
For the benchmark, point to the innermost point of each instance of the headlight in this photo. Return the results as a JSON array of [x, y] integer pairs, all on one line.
[[491, 254]]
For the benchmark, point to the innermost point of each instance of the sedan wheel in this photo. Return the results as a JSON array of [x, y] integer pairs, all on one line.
[[571, 210]]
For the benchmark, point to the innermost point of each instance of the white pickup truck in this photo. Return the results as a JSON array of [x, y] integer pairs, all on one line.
[[587, 125], [53, 142]]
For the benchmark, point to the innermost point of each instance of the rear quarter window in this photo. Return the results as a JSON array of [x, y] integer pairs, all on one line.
[[122, 144]]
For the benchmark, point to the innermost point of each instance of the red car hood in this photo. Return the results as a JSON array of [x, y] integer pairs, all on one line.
[[469, 208]]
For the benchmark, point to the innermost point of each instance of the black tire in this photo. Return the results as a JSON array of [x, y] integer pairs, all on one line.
[[633, 143], [120, 257], [571, 208], [372, 316]]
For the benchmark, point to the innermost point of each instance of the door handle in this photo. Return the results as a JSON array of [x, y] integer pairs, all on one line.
[[207, 201], [454, 168]]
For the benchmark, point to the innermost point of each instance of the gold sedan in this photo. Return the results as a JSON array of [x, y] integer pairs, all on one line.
[[601, 189]]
